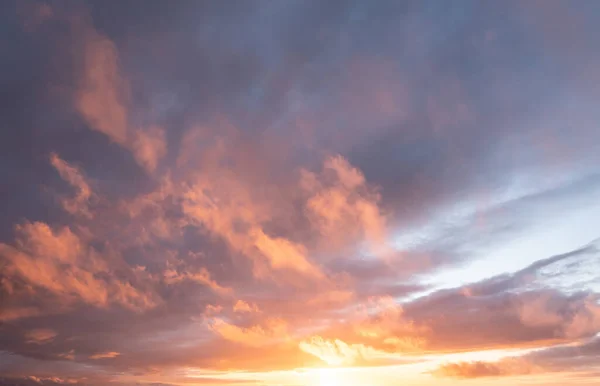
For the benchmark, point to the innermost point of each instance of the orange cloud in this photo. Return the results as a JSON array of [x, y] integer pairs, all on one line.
[[104, 93], [338, 353], [230, 208], [103, 100], [243, 244], [202, 276], [149, 147], [271, 331], [579, 319], [70, 355], [40, 336], [105, 355], [382, 319], [242, 306], [8, 314], [342, 208], [80, 203], [55, 380], [59, 262], [478, 369], [282, 253], [212, 310], [332, 298]]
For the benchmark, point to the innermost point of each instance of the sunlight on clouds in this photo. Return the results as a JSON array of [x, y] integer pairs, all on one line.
[[79, 203], [343, 207], [336, 352], [105, 355], [273, 330], [199, 193], [104, 100]]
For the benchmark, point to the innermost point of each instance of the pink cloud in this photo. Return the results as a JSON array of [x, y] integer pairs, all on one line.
[[104, 100], [271, 331], [40, 336], [478, 369], [80, 203], [59, 262], [105, 355], [242, 306]]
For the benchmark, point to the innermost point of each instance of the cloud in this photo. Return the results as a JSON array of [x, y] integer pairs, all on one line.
[[272, 330], [104, 100], [171, 276], [104, 93], [80, 203], [578, 357], [59, 262], [40, 336], [282, 253], [17, 313], [572, 320], [338, 353], [242, 306], [515, 309], [237, 212], [297, 192], [149, 147], [70, 355], [342, 207], [478, 369], [105, 355], [34, 14], [508, 311]]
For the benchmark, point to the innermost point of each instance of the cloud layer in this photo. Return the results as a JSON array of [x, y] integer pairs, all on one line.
[[223, 192]]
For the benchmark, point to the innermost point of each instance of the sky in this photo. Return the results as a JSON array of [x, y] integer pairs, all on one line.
[[299, 193]]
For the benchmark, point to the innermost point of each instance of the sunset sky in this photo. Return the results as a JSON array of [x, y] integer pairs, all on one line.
[[299, 193]]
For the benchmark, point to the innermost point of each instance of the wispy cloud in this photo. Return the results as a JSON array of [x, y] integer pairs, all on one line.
[[105, 355]]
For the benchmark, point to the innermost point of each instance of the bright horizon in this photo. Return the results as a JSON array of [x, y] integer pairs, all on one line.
[[299, 193]]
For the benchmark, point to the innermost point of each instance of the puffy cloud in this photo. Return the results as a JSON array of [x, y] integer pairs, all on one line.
[[282, 253], [270, 331], [343, 208], [234, 210], [61, 263], [149, 147], [242, 306], [570, 318], [515, 309], [171, 276]]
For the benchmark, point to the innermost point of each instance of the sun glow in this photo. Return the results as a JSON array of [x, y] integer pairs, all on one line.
[[329, 378]]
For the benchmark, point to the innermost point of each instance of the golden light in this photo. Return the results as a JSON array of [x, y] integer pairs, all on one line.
[[329, 378], [334, 377]]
